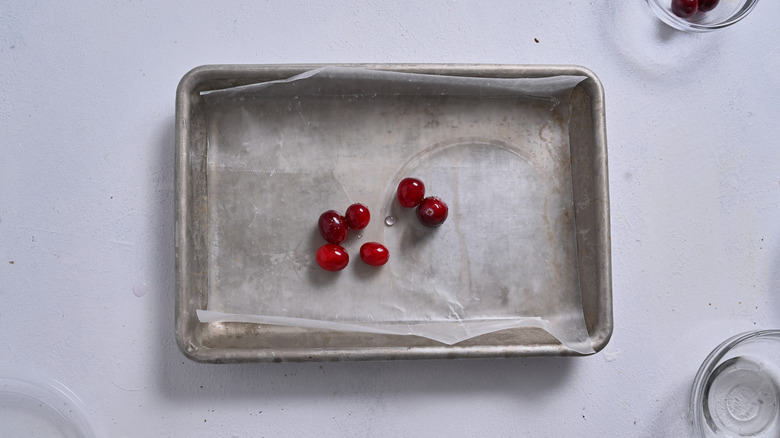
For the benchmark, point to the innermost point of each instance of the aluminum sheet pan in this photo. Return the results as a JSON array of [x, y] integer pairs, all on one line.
[[517, 145]]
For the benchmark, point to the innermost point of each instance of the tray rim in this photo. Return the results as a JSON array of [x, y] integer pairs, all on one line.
[[228, 75]]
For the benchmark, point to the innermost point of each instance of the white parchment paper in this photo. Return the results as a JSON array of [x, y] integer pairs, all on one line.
[[495, 150]]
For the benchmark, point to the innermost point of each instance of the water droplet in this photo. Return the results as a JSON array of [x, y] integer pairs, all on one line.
[[359, 236], [390, 221], [139, 289]]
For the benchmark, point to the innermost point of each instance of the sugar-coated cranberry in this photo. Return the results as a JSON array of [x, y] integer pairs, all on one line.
[[685, 8], [333, 226], [411, 192], [432, 212], [374, 254], [357, 216], [332, 257], [707, 5]]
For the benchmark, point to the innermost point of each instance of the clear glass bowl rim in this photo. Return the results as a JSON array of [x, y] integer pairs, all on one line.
[[681, 24], [709, 365], [52, 393]]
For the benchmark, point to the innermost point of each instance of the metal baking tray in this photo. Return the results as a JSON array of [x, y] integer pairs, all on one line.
[[221, 342]]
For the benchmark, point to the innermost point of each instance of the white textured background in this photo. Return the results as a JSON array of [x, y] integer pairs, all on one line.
[[86, 212]]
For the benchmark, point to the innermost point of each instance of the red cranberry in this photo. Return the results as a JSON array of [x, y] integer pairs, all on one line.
[[684, 8], [410, 192], [332, 257], [357, 216], [374, 254], [707, 5], [432, 212], [333, 227]]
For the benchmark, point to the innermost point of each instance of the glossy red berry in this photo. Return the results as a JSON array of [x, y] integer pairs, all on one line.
[[684, 8], [411, 192], [332, 257], [432, 212], [707, 5], [333, 227], [374, 254], [357, 216]]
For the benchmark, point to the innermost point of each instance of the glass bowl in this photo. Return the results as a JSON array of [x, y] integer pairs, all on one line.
[[725, 13], [38, 406], [735, 393]]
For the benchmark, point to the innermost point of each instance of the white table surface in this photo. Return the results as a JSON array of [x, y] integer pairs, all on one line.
[[86, 213]]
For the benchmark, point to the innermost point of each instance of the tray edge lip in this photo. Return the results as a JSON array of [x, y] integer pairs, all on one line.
[[236, 355], [186, 86], [601, 337]]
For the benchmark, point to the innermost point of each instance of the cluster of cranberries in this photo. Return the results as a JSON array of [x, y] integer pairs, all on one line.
[[688, 8], [333, 227], [431, 211]]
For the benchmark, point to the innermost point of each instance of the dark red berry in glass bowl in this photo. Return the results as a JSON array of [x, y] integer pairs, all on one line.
[[411, 192], [707, 5], [684, 8], [332, 257], [374, 254], [432, 212], [333, 226], [357, 216]]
